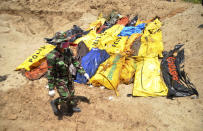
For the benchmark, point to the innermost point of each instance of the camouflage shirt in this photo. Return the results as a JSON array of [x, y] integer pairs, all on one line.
[[58, 66]]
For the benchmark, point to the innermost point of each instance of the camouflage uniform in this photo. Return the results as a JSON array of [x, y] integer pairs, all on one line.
[[59, 75]]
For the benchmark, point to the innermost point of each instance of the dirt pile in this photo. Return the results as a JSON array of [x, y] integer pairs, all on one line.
[[34, 16], [24, 24]]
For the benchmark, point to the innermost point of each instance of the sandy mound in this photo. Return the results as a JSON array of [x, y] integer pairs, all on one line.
[[24, 24]]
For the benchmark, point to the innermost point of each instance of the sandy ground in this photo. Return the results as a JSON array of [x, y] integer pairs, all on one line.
[[24, 104]]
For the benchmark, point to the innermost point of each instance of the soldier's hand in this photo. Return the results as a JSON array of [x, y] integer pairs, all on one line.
[[47, 86], [52, 93], [86, 76]]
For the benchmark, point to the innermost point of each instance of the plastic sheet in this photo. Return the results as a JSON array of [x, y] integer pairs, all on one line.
[[91, 62], [176, 79], [129, 30]]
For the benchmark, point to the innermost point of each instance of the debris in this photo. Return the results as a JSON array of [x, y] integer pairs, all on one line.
[[3, 78], [110, 97], [200, 26], [102, 87], [12, 117]]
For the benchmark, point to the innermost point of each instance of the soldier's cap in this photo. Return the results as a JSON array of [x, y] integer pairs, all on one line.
[[59, 37]]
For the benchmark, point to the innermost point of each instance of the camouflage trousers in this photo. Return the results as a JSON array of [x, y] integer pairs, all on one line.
[[65, 88]]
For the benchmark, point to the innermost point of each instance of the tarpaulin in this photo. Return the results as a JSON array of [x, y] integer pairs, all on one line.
[[108, 73], [33, 60], [147, 78], [129, 30], [91, 62]]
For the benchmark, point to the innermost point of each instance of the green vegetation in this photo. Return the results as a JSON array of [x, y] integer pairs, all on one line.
[[194, 1]]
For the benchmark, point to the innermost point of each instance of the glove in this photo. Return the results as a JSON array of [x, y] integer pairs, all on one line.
[[86, 76], [52, 93], [72, 69], [47, 86]]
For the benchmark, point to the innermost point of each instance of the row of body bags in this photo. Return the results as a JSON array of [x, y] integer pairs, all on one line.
[[121, 53]]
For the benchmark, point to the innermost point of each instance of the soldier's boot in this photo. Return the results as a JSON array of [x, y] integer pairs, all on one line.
[[54, 105], [76, 109], [73, 104]]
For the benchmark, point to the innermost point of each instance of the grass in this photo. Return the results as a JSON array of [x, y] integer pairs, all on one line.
[[194, 1]]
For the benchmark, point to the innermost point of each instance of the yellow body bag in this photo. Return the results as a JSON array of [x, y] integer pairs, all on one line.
[[90, 40], [110, 39], [148, 81], [128, 70], [34, 59], [96, 24], [147, 78], [108, 73], [117, 45], [101, 41], [151, 40]]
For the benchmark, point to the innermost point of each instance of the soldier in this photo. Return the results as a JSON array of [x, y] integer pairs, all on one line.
[[59, 76]]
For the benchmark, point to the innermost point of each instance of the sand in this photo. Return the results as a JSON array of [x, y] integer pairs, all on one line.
[[24, 104]]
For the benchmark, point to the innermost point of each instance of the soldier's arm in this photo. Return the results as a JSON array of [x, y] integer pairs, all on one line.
[[51, 70], [78, 66]]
